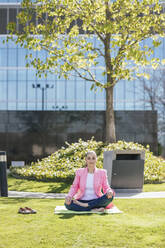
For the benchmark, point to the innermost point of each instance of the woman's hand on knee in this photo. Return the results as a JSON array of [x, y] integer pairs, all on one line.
[[68, 200]]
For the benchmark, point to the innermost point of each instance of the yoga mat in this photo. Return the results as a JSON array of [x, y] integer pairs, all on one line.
[[64, 210]]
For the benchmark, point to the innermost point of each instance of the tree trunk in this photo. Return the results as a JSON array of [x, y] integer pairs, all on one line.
[[110, 119]]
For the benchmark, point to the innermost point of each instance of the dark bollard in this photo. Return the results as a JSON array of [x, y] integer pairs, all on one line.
[[3, 174]]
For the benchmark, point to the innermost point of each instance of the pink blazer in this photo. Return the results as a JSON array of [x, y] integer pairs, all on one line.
[[100, 183]]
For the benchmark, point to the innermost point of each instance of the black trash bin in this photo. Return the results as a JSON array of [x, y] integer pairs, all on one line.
[[3, 174], [125, 169]]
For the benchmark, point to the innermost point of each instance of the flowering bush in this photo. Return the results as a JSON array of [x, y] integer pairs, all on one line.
[[62, 164]]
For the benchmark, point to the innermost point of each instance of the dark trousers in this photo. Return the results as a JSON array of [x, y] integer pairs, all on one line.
[[102, 201]]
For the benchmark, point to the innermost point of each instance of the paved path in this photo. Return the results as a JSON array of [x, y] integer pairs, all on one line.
[[17, 194]]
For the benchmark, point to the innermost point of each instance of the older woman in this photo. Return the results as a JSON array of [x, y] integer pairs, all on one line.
[[87, 188]]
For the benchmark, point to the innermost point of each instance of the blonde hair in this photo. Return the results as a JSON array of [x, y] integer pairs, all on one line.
[[89, 152]]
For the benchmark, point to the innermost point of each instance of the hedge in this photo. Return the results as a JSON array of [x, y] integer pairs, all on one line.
[[62, 164]]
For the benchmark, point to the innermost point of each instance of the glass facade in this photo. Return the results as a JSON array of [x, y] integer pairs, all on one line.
[[21, 89]]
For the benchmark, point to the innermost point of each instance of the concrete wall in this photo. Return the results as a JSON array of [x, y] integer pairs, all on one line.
[[29, 135]]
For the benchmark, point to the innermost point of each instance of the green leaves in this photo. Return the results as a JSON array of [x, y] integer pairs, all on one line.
[[156, 43], [163, 61], [66, 30], [62, 164]]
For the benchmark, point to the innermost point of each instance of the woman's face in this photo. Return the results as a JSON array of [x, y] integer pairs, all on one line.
[[91, 160]]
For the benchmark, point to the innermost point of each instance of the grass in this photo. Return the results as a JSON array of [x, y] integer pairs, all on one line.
[[141, 225], [36, 186], [154, 187], [59, 187]]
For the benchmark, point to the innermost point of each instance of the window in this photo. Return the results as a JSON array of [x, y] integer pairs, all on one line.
[[71, 97], [3, 21], [12, 15], [3, 57], [12, 57]]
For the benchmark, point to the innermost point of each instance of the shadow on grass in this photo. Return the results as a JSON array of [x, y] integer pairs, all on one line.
[[69, 216], [13, 200], [57, 189], [42, 186]]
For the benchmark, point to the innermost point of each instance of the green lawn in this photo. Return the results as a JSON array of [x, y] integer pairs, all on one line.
[[59, 187], [141, 225], [35, 186], [154, 187]]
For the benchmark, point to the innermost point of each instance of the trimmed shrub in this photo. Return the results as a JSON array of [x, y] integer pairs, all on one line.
[[62, 164]]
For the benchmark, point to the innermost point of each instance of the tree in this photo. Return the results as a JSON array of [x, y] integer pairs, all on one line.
[[120, 26], [154, 90]]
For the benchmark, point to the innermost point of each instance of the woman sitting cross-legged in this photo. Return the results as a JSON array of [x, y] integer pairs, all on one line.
[[87, 186]]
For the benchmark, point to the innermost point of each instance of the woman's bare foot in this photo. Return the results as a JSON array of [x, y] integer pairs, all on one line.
[[98, 209], [109, 194], [82, 204]]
